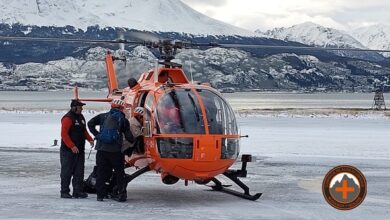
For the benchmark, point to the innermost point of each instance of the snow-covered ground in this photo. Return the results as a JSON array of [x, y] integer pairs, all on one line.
[[294, 154]]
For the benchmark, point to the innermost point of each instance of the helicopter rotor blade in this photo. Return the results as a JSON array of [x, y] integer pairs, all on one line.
[[152, 40], [144, 36], [70, 40], [262, 46]]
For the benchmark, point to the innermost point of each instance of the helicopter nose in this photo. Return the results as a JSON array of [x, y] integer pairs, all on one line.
[[207, 149]]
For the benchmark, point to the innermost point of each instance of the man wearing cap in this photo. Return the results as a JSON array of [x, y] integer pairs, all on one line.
[[72, 156], [109, 156]]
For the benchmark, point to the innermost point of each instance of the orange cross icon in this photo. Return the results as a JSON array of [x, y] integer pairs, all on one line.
[[345, 189]]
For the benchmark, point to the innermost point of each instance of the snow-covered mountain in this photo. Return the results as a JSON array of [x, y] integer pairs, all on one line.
[[224, 68], [150, 15], [374, 37], [42, 66], [316, 35]]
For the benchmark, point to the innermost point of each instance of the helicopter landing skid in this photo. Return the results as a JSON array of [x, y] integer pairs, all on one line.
[[233, 176], [222, 188], [130, 177]]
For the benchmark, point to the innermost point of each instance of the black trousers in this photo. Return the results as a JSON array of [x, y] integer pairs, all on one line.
[[106, 162], [72, 165]]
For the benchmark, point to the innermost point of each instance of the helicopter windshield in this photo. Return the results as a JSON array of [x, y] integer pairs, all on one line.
[[220, 116], [178, 112]]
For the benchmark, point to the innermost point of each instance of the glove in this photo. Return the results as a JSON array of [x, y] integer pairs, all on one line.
[[92, 144]]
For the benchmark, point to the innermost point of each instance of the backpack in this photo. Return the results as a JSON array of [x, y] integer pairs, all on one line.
[[110, 129], [90, 182]]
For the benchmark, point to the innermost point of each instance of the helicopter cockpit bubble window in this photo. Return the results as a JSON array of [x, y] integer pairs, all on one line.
[[230, 148], [178, 112], [220, 116]]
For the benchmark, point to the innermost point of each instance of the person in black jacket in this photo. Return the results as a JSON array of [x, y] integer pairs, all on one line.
[[113, 125], [72, 156]]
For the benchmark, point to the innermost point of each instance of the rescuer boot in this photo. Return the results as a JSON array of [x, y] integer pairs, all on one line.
[[122, 197], [66, 196], [81, 195]]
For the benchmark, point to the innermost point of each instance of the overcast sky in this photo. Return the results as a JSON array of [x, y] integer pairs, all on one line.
[[268, 14]]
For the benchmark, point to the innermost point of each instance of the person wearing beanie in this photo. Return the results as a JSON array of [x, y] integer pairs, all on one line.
[[113, 126]]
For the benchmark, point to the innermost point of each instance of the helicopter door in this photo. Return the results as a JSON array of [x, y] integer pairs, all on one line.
[[140, 99], [148, 105]]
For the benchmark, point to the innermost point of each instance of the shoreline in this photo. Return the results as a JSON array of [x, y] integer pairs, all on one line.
[[243, 113], [314, 111]]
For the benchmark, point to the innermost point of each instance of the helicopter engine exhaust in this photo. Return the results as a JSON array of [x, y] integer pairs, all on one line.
[[169, 179]]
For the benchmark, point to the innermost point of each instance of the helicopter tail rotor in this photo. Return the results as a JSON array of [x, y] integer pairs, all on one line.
[[121, 45], [76, 92]]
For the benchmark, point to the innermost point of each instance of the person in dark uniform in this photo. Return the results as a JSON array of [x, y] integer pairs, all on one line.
[[108, 146], [72, 156]]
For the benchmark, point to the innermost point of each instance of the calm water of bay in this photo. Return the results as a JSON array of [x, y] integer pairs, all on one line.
[[59, 100]]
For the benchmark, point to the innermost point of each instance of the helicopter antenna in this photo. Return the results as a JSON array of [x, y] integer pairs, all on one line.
[[156, 71], [192, 79]]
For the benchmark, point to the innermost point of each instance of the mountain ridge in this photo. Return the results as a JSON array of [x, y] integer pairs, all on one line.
[[42, 65], [148, 15], [376, 37], [316, 35], [223, 68]]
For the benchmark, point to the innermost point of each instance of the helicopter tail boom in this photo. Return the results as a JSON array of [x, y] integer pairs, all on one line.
[[112, 82]]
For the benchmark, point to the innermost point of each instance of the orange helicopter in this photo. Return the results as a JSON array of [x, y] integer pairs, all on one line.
[[190, 130]]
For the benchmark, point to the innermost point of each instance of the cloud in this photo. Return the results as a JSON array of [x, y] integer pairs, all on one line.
[[265, 14]]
